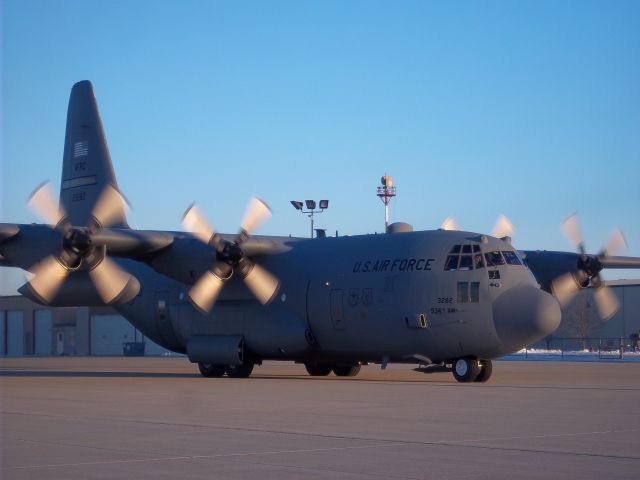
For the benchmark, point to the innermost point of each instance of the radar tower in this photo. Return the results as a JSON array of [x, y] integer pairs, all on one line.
[[386, 191]]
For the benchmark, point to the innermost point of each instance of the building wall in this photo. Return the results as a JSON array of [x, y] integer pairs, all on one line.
[[27, 328], [580, 317]]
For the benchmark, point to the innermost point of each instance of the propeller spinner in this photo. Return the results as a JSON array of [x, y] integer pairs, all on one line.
[[230, 258]]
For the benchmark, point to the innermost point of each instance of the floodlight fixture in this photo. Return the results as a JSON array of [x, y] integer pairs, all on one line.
[[311, 210]]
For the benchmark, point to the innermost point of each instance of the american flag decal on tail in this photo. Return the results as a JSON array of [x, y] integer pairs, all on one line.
[[80, 149]]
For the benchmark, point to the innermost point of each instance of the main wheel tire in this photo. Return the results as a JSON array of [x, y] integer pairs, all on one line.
[[485, 371], [347, 370], [240, 371], [316, 370], [466, 369], [211, 370]]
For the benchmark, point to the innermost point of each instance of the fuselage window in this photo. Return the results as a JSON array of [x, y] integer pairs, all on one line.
[[468, 292], [452, 262], [478, 261], [465, 262], [494, 259], [466, 249], [511, 257], [455, 249], [474, 292], [476, 248], [463, 292]]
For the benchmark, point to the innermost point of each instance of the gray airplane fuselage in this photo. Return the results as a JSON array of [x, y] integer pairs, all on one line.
[[352, 299]]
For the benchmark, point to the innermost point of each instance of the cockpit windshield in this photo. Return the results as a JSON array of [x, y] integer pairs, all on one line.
[[469, 257]]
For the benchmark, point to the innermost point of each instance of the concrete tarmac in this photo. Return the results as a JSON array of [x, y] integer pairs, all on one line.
[[124, 418]]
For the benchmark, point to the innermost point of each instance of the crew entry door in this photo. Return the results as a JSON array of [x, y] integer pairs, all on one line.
[[337, 310]]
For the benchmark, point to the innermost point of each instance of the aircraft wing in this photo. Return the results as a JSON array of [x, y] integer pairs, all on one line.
[[620, 262], [547, 266]]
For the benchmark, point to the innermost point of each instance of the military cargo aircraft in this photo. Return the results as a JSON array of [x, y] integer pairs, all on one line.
[[446, 297]]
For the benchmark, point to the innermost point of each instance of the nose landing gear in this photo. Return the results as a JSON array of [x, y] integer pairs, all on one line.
[[470, 369]]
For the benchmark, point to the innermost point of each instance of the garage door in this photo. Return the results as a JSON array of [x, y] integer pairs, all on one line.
[[43, 323], [3, 326], [15, 333], [108, 333]]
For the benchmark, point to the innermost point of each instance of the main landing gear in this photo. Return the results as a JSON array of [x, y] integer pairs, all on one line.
[[472, 370], [342, 370], [215, 370]]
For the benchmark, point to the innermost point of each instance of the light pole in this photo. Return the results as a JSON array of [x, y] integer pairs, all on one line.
[[311, 208]]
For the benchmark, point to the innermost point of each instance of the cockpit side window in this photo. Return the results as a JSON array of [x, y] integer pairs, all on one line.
[[452, 262], [511, 257], [465, 262], [494, 259]]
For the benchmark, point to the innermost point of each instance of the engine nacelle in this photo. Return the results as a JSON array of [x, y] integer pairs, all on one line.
[[79, 289]]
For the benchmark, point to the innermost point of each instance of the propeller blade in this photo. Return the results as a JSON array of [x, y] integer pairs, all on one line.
[[48, 277], [616, 243], [261, 283], [111, 207], [257, 213], [195, 222], [565, 288], [109, 279], [606, 302], [43, 202], [205, 291], [450, 223], [502, 228], [571, 229]]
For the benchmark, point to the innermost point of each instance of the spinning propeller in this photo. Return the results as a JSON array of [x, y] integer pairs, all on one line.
[[502, 228], [588, 270], [78, 250], [230, 258]]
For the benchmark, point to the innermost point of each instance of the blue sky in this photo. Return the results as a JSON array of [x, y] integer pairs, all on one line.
[[531, 109]]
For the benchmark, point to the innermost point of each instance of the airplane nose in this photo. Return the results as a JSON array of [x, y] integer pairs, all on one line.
[[523, 315]]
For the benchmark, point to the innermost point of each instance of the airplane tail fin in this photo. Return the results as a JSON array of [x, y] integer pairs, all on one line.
[[86, 167]]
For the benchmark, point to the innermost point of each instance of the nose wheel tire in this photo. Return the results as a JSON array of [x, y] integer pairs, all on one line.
[[240, 371], [211, 370], [485, 371], [466, 369]]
